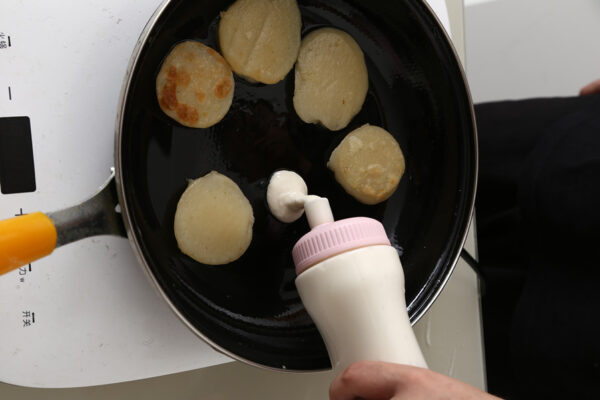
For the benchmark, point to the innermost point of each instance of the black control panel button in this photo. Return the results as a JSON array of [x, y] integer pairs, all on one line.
[[17, 171]]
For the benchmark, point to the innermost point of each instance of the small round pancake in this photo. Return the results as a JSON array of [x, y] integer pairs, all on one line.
[[331, 79], [260, 38], [194, 85], [368, 163], [213, 220]]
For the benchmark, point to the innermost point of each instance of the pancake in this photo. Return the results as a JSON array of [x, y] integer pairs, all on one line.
[[195, 85], [213, 221], [331, 79], [260, 38], [368, 163]]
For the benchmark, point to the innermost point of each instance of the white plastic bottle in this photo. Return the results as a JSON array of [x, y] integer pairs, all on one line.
[[352, 284], [349, 278]]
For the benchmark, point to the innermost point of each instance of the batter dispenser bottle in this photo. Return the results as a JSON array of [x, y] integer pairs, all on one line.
[[351, 282]]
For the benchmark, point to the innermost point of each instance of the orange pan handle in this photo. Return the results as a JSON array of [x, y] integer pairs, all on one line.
[[24, 239], [29, 237]]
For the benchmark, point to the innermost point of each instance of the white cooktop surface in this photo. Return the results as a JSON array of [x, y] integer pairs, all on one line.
[[87, 315]]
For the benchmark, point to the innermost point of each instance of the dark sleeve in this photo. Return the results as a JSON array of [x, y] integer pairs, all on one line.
[[539, 171]]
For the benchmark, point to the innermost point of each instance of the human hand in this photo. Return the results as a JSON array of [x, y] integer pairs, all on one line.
[[374, 380], [590, 88]]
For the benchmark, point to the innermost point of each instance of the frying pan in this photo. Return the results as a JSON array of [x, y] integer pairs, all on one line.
[[250, 309]]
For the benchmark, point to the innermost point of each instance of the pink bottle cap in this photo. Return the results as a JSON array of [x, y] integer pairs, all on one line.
[[329, 239]]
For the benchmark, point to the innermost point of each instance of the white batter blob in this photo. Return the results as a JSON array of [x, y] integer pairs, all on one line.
[[288, 198]]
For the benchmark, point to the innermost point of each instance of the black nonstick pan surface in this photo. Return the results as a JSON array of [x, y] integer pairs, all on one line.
[[250, 309]]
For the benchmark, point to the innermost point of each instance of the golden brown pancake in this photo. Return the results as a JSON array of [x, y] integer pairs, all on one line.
[[195, 85]]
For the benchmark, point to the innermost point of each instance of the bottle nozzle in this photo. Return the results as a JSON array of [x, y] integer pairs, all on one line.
[[317, 211], [287, 199]]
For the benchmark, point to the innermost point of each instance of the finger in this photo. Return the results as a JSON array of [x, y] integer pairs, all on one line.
[[369, 380], [591, 88]]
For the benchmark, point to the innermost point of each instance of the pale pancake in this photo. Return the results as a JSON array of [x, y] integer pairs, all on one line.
[[331, 79], [213, 221], [195, 85], [260, 38], [368, 163]]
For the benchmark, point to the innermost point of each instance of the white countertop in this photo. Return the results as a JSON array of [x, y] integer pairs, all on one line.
[[449, 334]]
